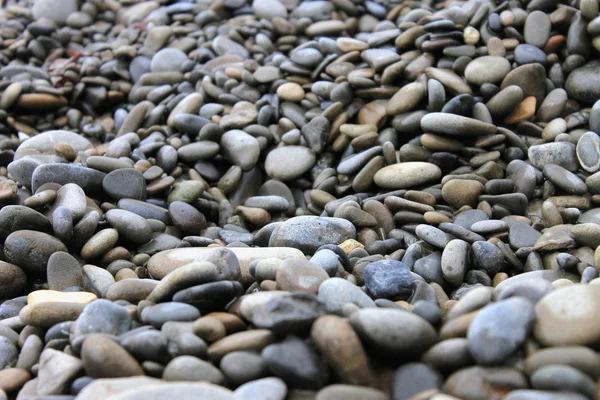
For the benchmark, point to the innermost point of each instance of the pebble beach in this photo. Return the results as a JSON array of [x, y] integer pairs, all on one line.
[[299, 200]]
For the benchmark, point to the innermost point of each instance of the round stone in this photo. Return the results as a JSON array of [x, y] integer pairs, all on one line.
[[168, 60], [565, 316], [583, 83], [278, 166], [462, 192], [487, 69], [389, 279], [126, 183], [290, 91]]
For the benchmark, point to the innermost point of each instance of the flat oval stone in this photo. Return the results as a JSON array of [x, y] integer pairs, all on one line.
[[90, 180], [308, 233], [565, 180], [455, 125], [30, 250], [559, 153], [588, 151], [537, 28], [278, 166], [407, 174], [168, 60], [394, 334], [129, 225], [172, 311], [17, 218], [487, 69], [125, 184], [44, 143]]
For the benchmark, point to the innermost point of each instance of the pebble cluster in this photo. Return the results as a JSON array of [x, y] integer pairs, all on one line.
[[302, 200]]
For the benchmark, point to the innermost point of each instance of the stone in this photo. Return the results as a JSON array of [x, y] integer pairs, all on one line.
[[30, 250], [127, 183], [395, 335], [499, 329], [462, 192], [407, 175], [296, 363], [190, 390], [455, 261], [44, 142], [563, 316], [335, 293], [277, 163], [240, 148], [103, 358], [583, 84], [102, 316], [588, 151], [288, 314], [487, 69], [232, 262], [13, 280], [168, 60], [129, 226], [172, 311], [350, 392], [308, 233], [17, 218], [188, 368], [56, 371], [559, 153], [271, 388], [389, 279], [341, 347], [8, 353], [300, 275], [455, 125], [414, 378]]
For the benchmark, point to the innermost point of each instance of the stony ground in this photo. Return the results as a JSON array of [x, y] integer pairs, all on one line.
[[275, 199]]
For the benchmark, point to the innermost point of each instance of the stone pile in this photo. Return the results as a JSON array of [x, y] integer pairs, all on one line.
[[275, 199]]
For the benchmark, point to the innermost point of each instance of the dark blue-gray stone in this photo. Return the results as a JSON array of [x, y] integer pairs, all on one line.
[[103, 316], [389, 279], [159, 314], [499, 329], [90, 180], [487, 257]]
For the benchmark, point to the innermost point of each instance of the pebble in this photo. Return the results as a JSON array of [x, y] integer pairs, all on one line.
[[499, 329], [556, 326], [407, 175], [388, 279], [30, 250]]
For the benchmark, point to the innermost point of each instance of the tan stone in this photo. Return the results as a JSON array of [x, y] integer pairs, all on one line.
[[41, 296]]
